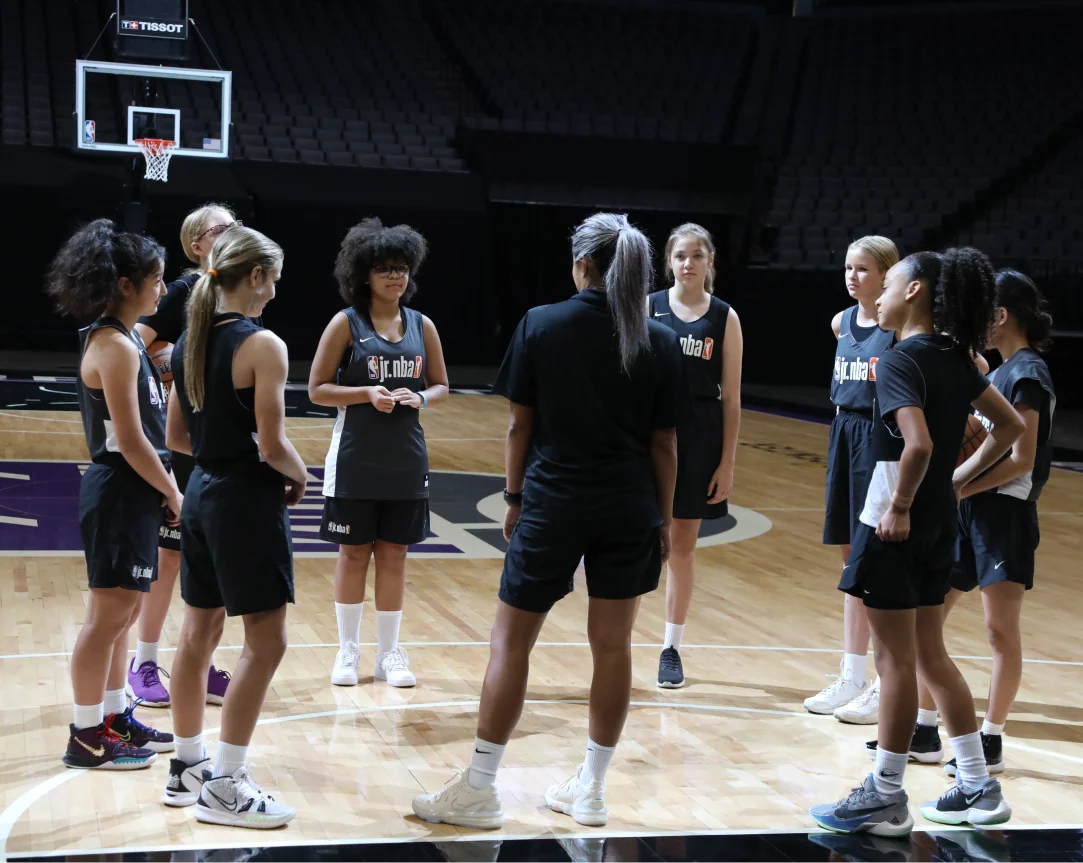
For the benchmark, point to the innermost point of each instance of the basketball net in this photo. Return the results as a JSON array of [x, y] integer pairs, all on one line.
[[157, 152]]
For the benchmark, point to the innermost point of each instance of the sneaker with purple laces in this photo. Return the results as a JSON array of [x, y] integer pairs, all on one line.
[[217, 682], [145, 684]]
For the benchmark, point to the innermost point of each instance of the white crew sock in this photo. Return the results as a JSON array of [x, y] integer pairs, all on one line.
[[88, 716], [387, 630], [988, 728], [116, 701], [484, 763], [674, 631], [190, 750], [971, 769], [596, 763], [927, 717], [853, 667], [229, 758], [145, 651], [889, 770], [349, 622]]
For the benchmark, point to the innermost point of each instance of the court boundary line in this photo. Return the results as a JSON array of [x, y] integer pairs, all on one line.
[[14, 811]]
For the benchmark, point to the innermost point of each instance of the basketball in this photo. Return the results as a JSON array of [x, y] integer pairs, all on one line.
[[973, 437], [161, 354]]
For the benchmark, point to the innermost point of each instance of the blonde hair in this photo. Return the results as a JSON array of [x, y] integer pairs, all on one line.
[[195, 223], [235, 254], [691, 229], [882, 250]]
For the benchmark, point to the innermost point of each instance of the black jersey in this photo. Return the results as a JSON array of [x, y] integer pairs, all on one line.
[[224, 431], [701, 342], [933, 373], [1025, 380], [170, 320], [373, 455], [853, 386], [101, 438]]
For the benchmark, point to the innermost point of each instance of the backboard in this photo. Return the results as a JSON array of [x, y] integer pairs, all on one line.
[[116, 103]]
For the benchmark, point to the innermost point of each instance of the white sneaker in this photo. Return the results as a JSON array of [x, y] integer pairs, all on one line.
[[345, 671], [185, 782], [863, 710], [237, 801], [584, 802], [457, 803], [394, 667], [842, 691]]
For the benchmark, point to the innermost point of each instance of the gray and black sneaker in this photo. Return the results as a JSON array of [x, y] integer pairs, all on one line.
[[993, 747], [865, 847], [925, 745], [866, 810], [962, 805], [670, 670]]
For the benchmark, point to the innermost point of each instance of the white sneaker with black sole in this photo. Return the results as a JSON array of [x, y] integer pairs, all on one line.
[[236, 801], [585, 802], [459, 804], [863, 710], [394, 667], [185, 782], [832, 697], [344, 672]]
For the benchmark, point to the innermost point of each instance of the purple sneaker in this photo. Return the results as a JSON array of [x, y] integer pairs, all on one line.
[[217, 681], [145, 684]]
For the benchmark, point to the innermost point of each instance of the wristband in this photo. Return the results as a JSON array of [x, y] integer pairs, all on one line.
[[424, 401], [513, 498]]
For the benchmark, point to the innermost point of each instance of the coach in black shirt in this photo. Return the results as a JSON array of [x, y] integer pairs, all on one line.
[[591, 461]]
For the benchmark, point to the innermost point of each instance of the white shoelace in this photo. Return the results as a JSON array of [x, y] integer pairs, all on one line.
[[452, 785], [396, 659], [349, 655], [833, 688], [872, 691]]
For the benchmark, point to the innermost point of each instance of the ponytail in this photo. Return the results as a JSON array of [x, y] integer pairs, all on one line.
[[1017, 294], [962, 287], [235, 254], [622, 255]]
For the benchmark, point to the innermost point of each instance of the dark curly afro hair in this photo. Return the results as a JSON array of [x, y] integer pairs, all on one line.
[[369, 244]]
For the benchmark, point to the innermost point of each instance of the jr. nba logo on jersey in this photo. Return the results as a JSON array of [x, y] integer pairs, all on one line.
[[702, 348], [374, 368], [855, 370]]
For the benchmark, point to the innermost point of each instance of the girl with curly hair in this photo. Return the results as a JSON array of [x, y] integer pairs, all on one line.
[[381, 364]]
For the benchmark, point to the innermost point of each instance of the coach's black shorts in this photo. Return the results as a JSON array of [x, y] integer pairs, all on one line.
[[118, 520], [169, 535], [849, 470], [622, 559], [896, 575], [998, 535], [348, 521], [235, 540], [699, 450]]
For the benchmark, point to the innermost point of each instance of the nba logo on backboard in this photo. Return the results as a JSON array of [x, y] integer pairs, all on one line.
[[374, 368], [89, 132]]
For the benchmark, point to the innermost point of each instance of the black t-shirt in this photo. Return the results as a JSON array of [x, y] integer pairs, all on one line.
[[169, 321], [590, 452], [933, 373]]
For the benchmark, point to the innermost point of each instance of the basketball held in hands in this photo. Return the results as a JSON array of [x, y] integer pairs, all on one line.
[[973, 438], [161, 354]]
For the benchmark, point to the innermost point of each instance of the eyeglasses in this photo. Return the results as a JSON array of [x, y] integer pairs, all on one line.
[[217, 230], [398, 270]]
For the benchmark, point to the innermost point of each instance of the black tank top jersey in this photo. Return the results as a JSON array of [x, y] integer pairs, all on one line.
[[373, 455], [701, 342], [853, 387], [1026, 369], [224, 431], [101, 438]]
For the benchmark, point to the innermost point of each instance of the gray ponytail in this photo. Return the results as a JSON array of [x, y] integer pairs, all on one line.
[[622, 255]]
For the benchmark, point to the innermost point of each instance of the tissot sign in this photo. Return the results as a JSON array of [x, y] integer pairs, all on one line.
[[171, 29]]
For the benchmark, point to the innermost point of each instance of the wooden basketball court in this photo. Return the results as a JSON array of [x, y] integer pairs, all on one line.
[[733, 751]]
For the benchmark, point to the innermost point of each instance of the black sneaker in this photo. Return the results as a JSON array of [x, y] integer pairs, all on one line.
[[925, 745], [993, 747], [99, 748], [670, 670], [133, 732]]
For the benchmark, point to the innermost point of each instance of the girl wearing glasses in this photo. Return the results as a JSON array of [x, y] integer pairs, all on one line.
[[380, 364], [161, 331]]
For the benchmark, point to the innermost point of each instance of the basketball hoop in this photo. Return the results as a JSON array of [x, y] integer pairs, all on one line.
[[157, 152]]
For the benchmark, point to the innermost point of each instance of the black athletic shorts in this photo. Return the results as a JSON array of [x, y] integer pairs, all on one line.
[[849, 470], [169, 535], [699, 450], [897, 575], [118, 519], [236, 549], [998, 535], [622, 559], [348, 521]]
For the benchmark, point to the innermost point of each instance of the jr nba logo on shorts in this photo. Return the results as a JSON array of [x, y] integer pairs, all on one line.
[[374, 368]]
